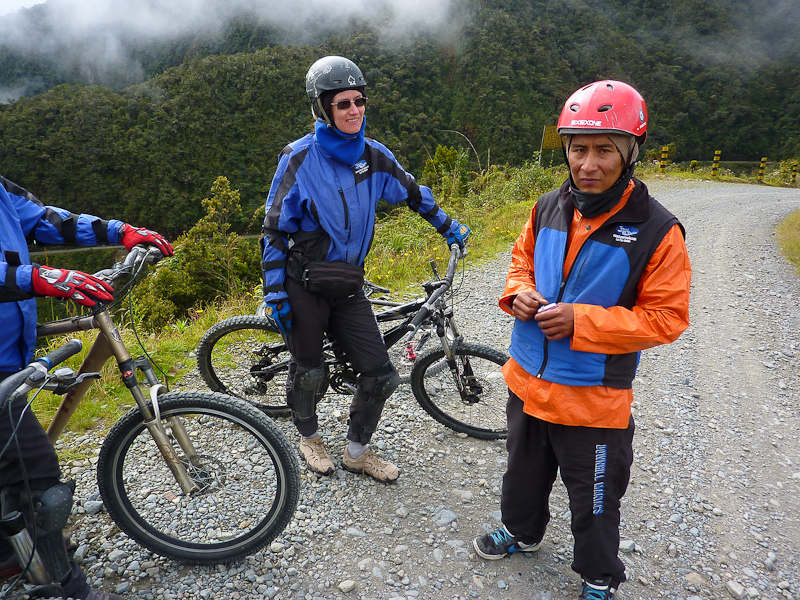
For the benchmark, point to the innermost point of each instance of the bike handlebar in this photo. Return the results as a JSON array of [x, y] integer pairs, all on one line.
[[137, 255], [22, 382], [456, 254]]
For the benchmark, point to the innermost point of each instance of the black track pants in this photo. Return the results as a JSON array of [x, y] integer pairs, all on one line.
[[349, 321], [595, 467]]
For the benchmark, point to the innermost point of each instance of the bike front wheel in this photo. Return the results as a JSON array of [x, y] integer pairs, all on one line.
[[245, 357], [467, 392], [246, 473]]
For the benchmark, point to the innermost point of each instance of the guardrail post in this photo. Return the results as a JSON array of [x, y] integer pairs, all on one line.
[[761, 168], [715, 166], [664, 152]]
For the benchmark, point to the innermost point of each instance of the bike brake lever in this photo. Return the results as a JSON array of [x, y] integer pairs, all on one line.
[[434, 269], [67, 383]]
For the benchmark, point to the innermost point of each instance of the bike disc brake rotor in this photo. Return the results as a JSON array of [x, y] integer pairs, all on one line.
[[207, 472]]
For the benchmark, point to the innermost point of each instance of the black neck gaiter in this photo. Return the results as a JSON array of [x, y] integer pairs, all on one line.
[[591, 205]]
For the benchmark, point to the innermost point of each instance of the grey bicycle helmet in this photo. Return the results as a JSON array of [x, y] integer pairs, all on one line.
[[331, 74]]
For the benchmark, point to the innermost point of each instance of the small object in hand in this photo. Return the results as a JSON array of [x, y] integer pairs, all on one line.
[[547, 307]]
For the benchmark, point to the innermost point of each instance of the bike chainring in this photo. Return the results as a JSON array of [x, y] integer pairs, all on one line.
[[343, 380]]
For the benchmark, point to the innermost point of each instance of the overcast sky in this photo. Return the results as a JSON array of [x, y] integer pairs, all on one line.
[[9, 6]]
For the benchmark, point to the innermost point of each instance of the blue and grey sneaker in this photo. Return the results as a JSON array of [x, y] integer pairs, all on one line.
[[596, 591], [500, 543]]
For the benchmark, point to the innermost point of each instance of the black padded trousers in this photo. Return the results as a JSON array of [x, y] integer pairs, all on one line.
[[595, 466]]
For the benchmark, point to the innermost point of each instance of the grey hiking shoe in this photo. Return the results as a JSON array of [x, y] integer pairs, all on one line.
[[370, 464], [500, 543], [313, 450]]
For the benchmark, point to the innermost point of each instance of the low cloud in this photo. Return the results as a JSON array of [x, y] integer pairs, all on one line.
[[95, 40]]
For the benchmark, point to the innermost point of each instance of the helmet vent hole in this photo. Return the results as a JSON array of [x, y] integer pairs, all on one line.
[[610, 86], [604, 108], [575, 107]]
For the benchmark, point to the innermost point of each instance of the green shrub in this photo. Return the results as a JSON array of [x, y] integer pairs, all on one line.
[[211, 262]]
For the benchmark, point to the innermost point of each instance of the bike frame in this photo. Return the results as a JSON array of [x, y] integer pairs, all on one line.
[[441, 316], [107, 344]]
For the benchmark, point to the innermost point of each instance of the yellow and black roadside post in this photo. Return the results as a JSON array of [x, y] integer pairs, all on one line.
[[664, 153], [794, 173], [761, 168], [715, 166]]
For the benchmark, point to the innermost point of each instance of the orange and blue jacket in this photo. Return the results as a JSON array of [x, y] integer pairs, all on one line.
[[626, 273]]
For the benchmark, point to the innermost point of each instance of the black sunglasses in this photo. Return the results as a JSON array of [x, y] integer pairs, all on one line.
[[345, 104]]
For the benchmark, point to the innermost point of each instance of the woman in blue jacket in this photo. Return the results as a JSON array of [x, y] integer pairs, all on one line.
[[24, 219], [318, 229]]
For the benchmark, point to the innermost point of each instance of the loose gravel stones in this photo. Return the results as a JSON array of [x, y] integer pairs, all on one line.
[[711, 511]]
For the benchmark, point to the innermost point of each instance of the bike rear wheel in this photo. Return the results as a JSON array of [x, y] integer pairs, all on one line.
[[245, 357], [246, 471], [466, 393]]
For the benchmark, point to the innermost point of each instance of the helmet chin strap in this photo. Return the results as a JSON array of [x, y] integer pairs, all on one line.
[[316, 106]]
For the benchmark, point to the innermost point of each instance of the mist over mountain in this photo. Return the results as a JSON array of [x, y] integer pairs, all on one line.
[[122, 42]]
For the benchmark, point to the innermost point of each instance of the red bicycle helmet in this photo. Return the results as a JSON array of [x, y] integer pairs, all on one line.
[[605, 107]]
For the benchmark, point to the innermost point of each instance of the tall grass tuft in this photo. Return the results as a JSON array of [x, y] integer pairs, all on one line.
[[788, 233]]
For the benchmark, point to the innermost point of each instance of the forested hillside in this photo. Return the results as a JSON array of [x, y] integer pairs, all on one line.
[[170, 113]]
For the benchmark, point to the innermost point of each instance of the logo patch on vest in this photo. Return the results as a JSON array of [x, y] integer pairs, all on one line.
[[625, 234], [361, 167]]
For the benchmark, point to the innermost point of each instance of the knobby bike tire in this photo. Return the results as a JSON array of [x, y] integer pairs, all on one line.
[[247, 472], [482, 414], [245, 357]]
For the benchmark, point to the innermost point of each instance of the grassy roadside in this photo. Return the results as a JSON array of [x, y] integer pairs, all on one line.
[[788, 233]]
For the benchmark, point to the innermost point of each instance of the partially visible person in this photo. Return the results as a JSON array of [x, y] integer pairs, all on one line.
[[599, 273], [319, 227], [32, 459]]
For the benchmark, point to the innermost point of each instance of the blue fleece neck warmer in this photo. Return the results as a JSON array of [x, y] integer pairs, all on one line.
[[346, 149]]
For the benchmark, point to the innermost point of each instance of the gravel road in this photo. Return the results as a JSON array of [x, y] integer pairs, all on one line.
[[711, 512]]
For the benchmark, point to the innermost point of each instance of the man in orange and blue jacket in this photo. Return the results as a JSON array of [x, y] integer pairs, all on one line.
[[599, 273]]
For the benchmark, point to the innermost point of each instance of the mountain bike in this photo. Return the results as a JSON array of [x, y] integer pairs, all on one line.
[[195, 476], [457, 383]]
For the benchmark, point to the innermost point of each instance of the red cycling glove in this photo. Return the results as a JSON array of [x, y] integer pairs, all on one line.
[[78, 286], [130, 236]]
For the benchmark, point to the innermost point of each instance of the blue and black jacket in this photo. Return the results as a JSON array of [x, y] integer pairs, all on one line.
[[321, 209], [23, 220], [606, 273]]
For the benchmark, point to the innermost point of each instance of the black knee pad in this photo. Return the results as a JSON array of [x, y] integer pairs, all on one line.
[[374, 388], [305, 383], [379, 384], [51, 510], [308, 378]]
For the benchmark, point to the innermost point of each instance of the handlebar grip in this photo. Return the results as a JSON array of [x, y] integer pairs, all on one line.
[[419, 317], [61, 353], [12, 383]]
